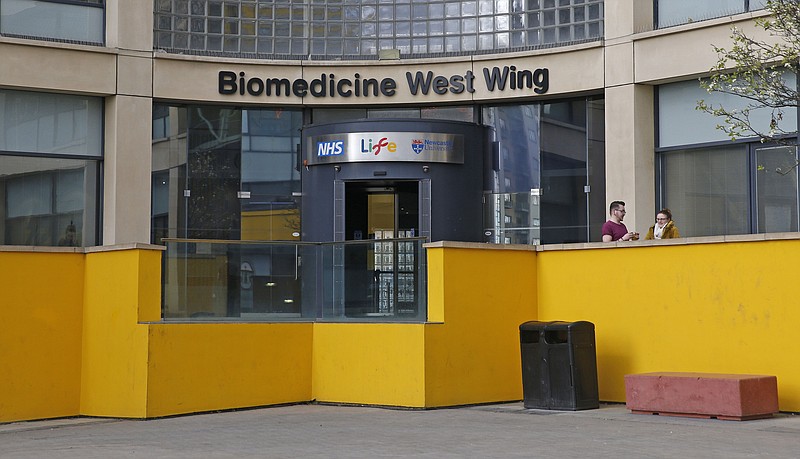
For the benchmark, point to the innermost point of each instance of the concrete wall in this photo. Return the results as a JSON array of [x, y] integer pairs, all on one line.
[[203, 367], [723, 307], [121, 290], [481, 293], [82, 333], [41, 315]]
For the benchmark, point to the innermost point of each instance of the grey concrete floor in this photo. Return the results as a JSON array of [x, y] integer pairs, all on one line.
[[324, 431]]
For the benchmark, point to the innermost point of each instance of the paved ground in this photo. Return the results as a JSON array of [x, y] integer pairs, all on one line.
[[321, 431]]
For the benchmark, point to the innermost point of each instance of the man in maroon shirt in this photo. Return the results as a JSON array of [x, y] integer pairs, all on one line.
[[614, 229]]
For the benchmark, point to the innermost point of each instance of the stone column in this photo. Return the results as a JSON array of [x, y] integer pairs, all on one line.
[[128, 124], [630, 125]]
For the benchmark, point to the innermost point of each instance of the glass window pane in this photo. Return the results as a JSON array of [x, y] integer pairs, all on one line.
[[776, 189], [364, 21], [250, 150], [680, 124], [48, 201], [52, 20], [69, 184], [403, 12], [51, 123], [28, 194], [707, 190], [673, 12]]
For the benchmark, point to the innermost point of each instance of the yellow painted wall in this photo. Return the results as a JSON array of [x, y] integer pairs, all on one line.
[[482, 295], [122, 289], [41, 308], [86, 336], [726, 308], [376, 364], [215, 366]]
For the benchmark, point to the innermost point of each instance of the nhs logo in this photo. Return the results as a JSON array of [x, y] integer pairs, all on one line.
[[330, 148]]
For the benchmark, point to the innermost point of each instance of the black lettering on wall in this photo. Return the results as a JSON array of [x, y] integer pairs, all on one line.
[[541, 78], [227, 82], [419, 82], [327, 85], [277, 83]]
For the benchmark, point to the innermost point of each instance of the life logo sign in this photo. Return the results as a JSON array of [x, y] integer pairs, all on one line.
[[417, 145], [371, 146], [330, 148]]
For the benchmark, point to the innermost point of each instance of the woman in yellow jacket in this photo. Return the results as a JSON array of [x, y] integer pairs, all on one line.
[[664, 228]]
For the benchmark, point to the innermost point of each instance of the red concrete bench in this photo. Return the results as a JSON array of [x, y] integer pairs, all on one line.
[[702, 395]]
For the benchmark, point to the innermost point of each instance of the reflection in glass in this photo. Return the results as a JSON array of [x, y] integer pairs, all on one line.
[[567, 21], [552, 154], [513, 218], [674, 12], [707, 190], [51, 123], [252, 281], [222, 173], [48, 201], [776, 189], [69, 21]]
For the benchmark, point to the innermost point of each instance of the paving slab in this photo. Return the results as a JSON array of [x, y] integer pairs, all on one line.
[[326, 431]]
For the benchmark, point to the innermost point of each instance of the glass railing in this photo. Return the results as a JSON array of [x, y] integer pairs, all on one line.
[[369, 280]]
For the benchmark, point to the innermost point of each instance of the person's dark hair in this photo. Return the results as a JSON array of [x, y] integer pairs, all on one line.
[[615, 205], [666, 212]]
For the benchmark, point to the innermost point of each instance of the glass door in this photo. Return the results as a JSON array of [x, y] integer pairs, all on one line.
[[381, 273]]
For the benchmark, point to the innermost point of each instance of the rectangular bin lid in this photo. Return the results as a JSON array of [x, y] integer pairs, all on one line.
[[555, 325]]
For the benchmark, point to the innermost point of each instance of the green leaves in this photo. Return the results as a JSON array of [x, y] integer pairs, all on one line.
[[759, 73]]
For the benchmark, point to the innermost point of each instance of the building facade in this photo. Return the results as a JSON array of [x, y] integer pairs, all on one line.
[[129, 121], [294, 157]]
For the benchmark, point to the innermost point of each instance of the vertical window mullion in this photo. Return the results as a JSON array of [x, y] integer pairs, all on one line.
[[752, 187]]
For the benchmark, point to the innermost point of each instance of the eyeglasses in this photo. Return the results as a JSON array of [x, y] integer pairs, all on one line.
[[617, 210], [659, 219]]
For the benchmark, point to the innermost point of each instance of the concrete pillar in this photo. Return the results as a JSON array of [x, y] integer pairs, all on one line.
[[126, 204], [126, 22], [630, 115], [128, 125], [630, 172]]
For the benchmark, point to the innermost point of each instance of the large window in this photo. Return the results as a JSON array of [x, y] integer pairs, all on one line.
[[331, 29], [225, 173], [715, 186], [79, 21], [549, 172], [675, 12], [50, 158], [707, 190]]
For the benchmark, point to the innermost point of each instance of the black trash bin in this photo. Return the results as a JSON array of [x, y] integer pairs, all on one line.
[[559, 365]]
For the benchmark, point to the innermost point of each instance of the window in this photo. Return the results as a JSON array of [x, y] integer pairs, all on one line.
[[707, 190], [714, 186], [679, 123], [50, 155], [225, 173], [675, 12], [545, 174], [329, 28], [79, 21]]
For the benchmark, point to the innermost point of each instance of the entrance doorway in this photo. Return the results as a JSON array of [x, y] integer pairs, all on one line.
[[381, 273], [375, 210]]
